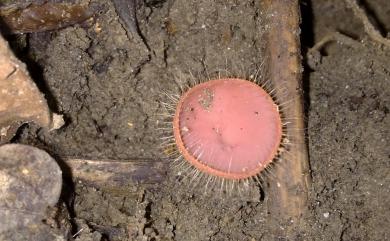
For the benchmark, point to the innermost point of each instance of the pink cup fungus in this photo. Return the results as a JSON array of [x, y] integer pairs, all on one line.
[[230, 128]]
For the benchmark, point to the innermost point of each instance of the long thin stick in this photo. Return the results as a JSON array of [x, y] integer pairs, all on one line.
[[288, 193]]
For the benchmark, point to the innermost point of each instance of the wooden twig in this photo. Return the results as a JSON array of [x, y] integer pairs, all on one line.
[[116, 173], [288, 193]]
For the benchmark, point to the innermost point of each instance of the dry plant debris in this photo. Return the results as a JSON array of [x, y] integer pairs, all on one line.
[[35, 16], [116, 173]]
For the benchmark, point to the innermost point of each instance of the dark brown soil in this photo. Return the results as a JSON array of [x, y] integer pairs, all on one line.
[[108, 87]]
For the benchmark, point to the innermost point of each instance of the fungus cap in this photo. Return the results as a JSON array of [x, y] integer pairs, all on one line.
[[229, 128]]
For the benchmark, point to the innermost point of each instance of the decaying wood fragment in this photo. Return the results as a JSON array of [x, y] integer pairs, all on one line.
[[20, 99], [35, 16], [117, 173], [288, 191]]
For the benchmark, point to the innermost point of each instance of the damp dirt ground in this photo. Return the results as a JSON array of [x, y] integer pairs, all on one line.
[[109, 88]]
